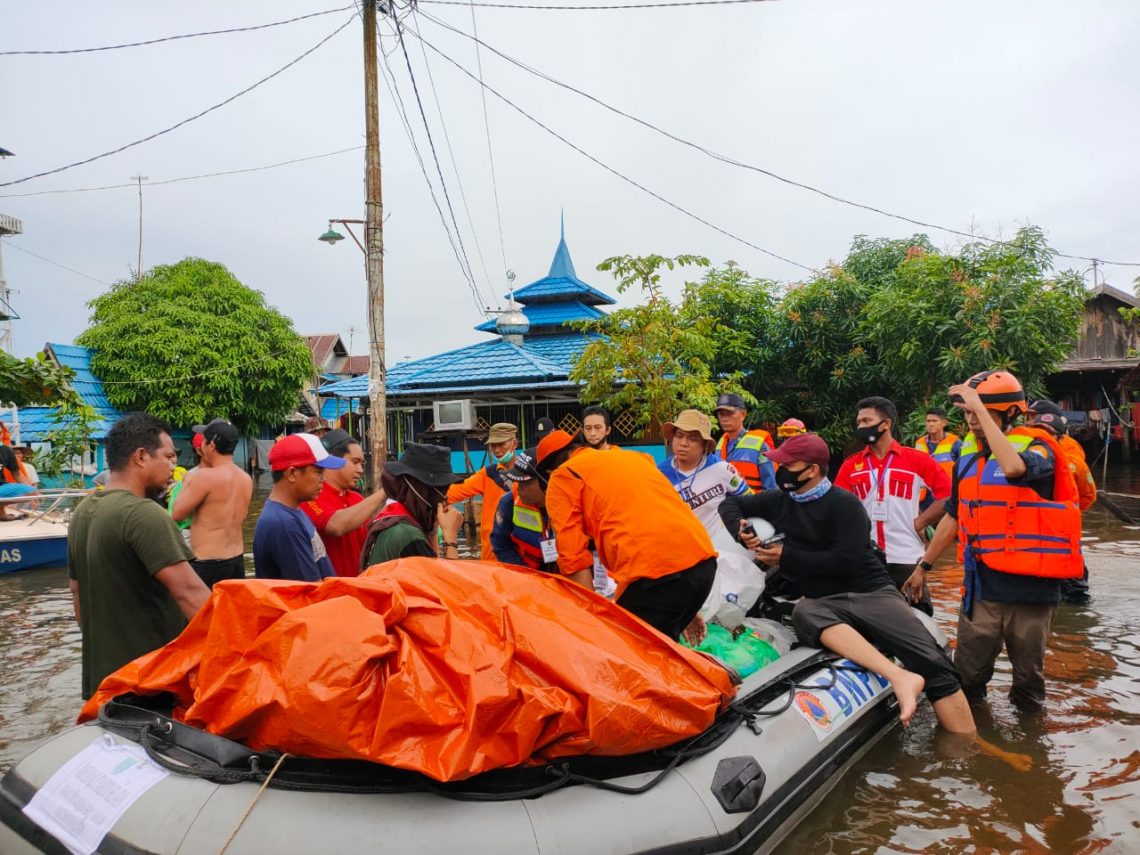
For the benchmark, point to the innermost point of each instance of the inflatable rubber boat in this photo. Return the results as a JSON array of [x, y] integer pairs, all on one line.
[[136, 781]]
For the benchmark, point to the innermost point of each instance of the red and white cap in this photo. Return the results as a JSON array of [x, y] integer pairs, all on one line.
[[301, 449]]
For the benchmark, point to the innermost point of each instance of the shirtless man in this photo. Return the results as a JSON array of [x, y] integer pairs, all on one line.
[[216, 498]]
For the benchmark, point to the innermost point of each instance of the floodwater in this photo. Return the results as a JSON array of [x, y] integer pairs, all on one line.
[[909, 793]]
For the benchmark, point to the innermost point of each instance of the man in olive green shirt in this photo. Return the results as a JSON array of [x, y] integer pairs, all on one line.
[[131, 584]]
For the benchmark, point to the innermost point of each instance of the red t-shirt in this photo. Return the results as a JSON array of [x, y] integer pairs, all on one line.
[[344, 551]]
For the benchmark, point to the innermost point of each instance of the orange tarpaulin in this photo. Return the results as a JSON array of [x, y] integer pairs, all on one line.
[[449, 668]]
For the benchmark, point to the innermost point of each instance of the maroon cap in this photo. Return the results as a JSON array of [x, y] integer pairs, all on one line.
[[808, 447]]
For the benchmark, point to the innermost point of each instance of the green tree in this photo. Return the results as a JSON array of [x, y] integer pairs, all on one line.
[[941, 318], [651, 359], [189, 342], [743, 314], [38, 380]]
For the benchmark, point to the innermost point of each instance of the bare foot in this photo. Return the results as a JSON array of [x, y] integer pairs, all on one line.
[[1018, 762], [908, 686]]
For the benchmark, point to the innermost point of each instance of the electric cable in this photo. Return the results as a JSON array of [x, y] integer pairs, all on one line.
[[132, 185], [186, 121], [490, 148], [458, 179], [672, 4], [611, 169], [733, 162], [173, 38], [434, 153], [19, 248], [401, 111]]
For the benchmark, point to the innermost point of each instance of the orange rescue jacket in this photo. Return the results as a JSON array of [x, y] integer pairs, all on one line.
[[641, 527], [1010, 527], [1086, 486]]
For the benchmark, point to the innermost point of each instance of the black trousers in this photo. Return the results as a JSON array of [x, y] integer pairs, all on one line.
[[214, 570], [899, 573], [670, 603]]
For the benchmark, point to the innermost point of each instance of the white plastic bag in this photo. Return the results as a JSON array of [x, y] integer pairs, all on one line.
[[737, 586]]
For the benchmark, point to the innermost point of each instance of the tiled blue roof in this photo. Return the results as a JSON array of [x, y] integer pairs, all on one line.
[[541, 362], [89, 387], [333, 408], [551, 315], [561, 282], [35, 422]]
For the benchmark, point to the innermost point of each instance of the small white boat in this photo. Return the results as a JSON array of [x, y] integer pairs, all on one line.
[[37, 536]]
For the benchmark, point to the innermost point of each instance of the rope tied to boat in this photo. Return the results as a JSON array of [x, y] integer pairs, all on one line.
[[253, 803]]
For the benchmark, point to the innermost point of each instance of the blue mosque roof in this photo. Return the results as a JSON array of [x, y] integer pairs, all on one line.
[[543, 360]]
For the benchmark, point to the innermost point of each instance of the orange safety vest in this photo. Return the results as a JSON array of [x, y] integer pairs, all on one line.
[[746, 464], [1078, 465], [530, 528], [943, 453], [1012, 528]]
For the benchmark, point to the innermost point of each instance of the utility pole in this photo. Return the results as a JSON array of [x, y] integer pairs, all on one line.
[[1096, 263], [139, 179], [374, 252]]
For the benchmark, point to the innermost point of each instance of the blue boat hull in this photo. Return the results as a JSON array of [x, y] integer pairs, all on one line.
[[34, 552]]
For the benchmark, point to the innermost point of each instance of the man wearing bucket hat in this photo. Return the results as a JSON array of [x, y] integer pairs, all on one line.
[[285, 543], [489, 482], [653, 546], [522, 534], [416, 486], [700, 478], [745, 450]]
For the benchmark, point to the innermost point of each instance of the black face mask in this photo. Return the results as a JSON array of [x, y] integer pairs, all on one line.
[[870, 434], [790, 481]]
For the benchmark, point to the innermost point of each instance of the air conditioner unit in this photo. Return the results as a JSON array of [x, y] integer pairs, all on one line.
[[453, 415]]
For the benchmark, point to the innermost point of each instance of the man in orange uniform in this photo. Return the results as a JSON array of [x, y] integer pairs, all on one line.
[[1048, 416], [1013, 510], [745, 450], [489, 482], [653, 545]]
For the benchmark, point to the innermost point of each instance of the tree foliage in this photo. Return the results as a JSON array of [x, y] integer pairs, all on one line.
[[653, 359], [38, 380], [188, 342], [897, 318]]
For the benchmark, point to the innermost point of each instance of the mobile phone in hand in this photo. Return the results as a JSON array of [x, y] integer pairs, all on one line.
[[747, 528], [772, 541]]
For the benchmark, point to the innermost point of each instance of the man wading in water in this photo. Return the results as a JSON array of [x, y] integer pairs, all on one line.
[[216, 496]]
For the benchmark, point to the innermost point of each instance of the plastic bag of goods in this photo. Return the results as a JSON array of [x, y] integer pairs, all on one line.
[[745, 652]]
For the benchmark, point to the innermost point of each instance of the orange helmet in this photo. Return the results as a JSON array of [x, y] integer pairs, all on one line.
[[791, 427], [999, 390]]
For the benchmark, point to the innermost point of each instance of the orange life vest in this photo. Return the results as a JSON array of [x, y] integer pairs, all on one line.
[[1011, 528], [1078, 465], [747, 454]]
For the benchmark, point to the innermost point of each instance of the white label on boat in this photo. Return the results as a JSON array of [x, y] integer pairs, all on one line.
[[838, 697], [82, 801]]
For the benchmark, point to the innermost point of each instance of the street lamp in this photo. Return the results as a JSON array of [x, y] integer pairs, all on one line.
[[332, 235]]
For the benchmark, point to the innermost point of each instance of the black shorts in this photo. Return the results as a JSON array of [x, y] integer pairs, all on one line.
[[669, 604], [214, 570], [883, 618]]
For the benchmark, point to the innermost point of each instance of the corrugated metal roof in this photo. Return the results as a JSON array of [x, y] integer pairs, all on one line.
[[541, 362]]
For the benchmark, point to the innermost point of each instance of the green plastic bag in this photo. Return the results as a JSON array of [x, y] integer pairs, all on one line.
[[745, 654]]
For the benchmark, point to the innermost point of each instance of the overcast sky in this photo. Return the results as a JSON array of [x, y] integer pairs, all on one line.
[[973, 115]]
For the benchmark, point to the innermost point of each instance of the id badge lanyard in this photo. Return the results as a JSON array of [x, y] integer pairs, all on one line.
[[549, 545], [879, 490]]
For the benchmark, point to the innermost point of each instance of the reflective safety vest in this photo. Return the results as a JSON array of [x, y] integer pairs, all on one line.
[[747, 455], [529, 530], [943, 453], [1010, 527]]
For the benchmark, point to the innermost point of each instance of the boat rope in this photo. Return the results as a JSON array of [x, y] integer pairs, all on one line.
[[251, 805]]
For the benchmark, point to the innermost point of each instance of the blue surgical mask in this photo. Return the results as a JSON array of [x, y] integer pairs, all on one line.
[[506, 458]]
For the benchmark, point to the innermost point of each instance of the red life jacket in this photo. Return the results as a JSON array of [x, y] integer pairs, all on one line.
[[1010, 527]]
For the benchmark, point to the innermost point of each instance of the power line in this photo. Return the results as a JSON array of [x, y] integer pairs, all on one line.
[[490, 149], [458, 179], [434, 154], [733, 162], [186, 121], [188, 177], [599, 8], [19, 248], [173, 38], [401, 111], [610, 169]]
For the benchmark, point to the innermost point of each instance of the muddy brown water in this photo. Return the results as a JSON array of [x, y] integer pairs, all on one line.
[[909, 793]]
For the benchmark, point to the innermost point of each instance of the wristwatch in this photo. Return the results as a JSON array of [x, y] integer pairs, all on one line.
[[925, 565]]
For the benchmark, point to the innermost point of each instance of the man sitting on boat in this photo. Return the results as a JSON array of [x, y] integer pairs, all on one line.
[[849, 597]]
